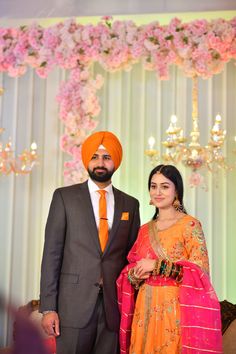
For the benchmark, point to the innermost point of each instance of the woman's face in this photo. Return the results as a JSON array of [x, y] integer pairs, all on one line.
[[162, 191]]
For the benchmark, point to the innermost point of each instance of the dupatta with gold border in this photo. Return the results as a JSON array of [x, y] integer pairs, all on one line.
[[200, 318]]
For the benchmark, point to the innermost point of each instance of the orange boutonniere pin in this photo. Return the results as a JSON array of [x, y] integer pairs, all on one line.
[[125, 216]]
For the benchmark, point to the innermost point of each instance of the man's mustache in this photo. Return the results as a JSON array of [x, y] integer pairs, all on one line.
[[100, 168]]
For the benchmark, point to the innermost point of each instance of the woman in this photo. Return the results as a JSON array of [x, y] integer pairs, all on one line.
[[176, 308]]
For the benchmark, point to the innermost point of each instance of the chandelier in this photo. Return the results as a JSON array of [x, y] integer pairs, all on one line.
[[20, 165], [192, 154]]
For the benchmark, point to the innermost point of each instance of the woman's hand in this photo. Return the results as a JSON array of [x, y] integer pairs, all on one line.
[[144, 267]]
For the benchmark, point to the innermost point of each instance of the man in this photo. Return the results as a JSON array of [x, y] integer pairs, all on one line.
[[86, 244]]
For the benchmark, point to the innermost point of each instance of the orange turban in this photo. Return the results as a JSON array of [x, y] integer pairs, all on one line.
[[108, 140]]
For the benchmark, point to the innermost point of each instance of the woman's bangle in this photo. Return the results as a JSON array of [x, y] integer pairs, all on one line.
[[163, 267], [168, 269], [157, 267], [175, 271], [133, 279], [179, 277]]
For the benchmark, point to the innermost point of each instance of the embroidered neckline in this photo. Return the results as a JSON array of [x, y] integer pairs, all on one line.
[[167, 228]]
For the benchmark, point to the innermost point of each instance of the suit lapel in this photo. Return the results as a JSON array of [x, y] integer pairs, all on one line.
[[86, 204]]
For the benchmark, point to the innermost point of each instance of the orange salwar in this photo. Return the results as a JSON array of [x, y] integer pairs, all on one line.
[[156, 321]]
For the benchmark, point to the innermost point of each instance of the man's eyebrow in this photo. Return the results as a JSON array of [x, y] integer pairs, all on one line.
[[105, 155], [95, 154]]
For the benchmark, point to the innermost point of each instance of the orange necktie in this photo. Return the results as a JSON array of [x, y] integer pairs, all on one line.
[[103, 222]]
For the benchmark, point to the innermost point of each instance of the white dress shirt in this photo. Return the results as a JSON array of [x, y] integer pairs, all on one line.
[[95, 196]]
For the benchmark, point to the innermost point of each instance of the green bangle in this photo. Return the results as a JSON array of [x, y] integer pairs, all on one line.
[[163, 267]]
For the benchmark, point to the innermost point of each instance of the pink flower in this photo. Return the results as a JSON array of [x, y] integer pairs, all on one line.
[[106, 18], [43, 71], [196, 179], [17, 71], [199, 47]]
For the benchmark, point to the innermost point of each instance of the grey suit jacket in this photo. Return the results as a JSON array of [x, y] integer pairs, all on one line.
[[73, 262]]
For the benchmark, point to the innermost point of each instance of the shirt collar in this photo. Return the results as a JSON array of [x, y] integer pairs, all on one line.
[[93, 187]]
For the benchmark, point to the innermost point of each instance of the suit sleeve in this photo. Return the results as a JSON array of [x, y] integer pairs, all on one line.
[[53, 253], [135, 227]]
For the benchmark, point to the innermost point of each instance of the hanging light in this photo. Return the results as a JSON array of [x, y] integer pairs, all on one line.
[[151, 152], [211, 156], [193, 155], [174, 141], [19, 165]]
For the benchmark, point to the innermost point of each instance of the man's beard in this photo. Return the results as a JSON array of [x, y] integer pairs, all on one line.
[[103, 176]]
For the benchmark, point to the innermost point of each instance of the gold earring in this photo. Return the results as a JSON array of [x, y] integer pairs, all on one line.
[[177, 205]]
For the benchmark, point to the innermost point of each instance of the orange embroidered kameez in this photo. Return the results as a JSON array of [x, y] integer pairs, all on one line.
[[156, 320]]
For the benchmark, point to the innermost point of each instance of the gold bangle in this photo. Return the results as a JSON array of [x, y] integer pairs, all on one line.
[[168, 269], [133, 279], [157, 266], [179, 277], [175, 271]]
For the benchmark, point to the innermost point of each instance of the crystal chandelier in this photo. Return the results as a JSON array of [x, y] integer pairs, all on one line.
[[210, 156], [20, 165], [174, 142], [193, 155]]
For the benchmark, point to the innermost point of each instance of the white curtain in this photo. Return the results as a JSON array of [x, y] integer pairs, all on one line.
[[135, 105]]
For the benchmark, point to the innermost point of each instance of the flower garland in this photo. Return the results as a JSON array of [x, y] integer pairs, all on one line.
[[78, 105], [199, 47]]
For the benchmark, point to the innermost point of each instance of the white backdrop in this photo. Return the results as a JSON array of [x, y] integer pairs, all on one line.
[[135, 105], [70, 8]]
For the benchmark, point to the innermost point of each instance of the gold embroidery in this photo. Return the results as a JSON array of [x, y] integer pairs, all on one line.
[[151, 316]]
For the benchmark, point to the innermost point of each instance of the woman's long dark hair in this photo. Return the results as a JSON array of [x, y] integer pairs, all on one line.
[[173, 174]]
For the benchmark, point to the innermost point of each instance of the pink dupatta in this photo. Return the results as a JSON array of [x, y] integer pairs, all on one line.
[[200, 318]]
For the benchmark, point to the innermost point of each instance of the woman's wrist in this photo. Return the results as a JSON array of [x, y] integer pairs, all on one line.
[[166, 268], [133, 279]]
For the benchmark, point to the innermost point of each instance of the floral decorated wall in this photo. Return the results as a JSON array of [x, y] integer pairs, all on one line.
[[200, 48]]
